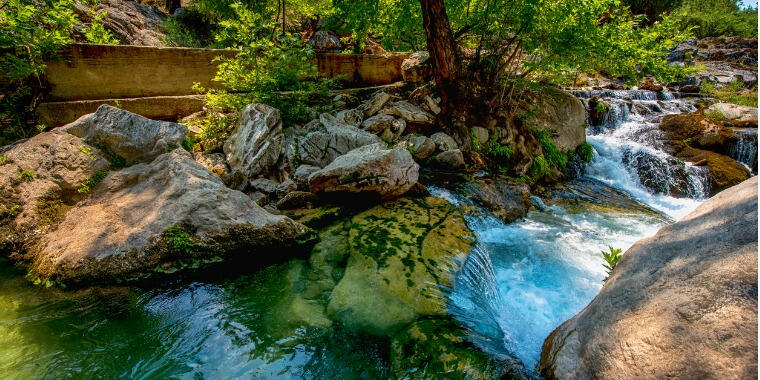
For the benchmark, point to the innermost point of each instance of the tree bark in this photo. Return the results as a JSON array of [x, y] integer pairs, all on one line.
[[444, 63]]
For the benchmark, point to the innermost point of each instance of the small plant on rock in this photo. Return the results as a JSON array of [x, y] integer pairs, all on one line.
[[612, 257], [585, 151], [27, 175], [91, 182], [178, 239]]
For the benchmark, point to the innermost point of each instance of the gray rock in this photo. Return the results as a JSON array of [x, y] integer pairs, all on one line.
[[683, 303], [127, 135], [131, 22], [432, 105], [259, 197], [481, 134], [387, 173], [507, 200], [443, 142], [559, 113], [741, 116], [214, 162], [351, 117], [141, 219], [286, 187], [319, 148], [420, 146], [387, 127], [449, 160], [297, 199], [325, 41], [409, 112], [266, 186], [301, 176], [374, 104], [257, 141], [416, 68]]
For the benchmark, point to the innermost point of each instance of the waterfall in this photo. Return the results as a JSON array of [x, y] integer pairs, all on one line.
[[744, 149]]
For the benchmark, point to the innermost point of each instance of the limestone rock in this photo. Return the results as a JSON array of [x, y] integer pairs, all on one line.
[[387, 127], [374, 104], [681, 304], [507, 200], [132, 23], [409, 112], [333, 139], [481, 134], [448, 160], [351, 117], [39, 181], [560, 113], [301, 176], [264, 185], [159, 217], [127, 135], [214, 162], [416, 67], [297, 199], [257, 141], [401, 254], [443, 142], [723, 171], [432, 105], [325, 41], [740, 116], [420, 146], [371, 169]]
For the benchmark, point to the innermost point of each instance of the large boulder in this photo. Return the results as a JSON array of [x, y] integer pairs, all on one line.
[[740, 116], [559, 113], [325, 41], [332, 139], [416, 67], [257, 141], [371, 169], [387, 127], [680, 304], [169, 215], [129, 136], [40, 179], [508, 200], [408, 112], [401, 255], [374, 104]]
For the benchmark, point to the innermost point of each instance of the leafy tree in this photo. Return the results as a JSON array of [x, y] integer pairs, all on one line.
[[715, 18]]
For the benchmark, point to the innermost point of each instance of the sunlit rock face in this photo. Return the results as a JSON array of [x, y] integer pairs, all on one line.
[[683, 303]]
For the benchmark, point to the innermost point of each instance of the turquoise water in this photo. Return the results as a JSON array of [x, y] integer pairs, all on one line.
[[203, 329]]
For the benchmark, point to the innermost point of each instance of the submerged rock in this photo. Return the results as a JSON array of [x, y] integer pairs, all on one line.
[[159, 217], [257, 141], [681, 304], [508, 200], [585, 193], [401, 254], [127, 135], [371, 169], [438, 348]]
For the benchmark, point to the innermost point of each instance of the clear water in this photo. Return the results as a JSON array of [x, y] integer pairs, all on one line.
[[235, 328], [528, 277]]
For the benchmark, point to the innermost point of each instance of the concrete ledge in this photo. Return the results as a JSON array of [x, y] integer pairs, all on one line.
[[123, 71], [55, 114]]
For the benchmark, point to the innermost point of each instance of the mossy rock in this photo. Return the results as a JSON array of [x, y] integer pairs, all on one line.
[[437, 348], [402, 254]]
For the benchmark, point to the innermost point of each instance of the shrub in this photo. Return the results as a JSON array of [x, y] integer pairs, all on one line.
[[97, 33], [585, 151], [716, 18], [178, 239], [612, 257]]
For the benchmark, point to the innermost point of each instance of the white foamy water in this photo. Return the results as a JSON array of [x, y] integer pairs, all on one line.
[[526, 278]]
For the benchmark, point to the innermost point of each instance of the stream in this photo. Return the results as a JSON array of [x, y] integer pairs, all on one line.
[[521, 281]]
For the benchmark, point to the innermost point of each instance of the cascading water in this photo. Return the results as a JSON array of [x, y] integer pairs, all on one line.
[[526, 278], [745, 148]]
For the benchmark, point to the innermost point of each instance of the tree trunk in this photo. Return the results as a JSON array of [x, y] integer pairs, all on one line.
[[283, 17], [444, 63]]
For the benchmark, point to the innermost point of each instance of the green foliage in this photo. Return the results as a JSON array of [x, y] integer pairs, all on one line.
[[612, 257], [3, 160], [178, 239], [96, 33], [214, 130], [88, 151], [14, 210], [539, 169], [734, 93], [553, 156], [33, 31], [585, 151], [715, 18], [600, 107], [93, 181], [27, 175], [277, 71]]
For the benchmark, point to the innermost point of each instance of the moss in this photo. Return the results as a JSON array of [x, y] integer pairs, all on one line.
[[51, 211], [178, 239], [93, 181], [585, 151], [3, 160], [552, 154], [539, 169], [88, 152], [27, 175]]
